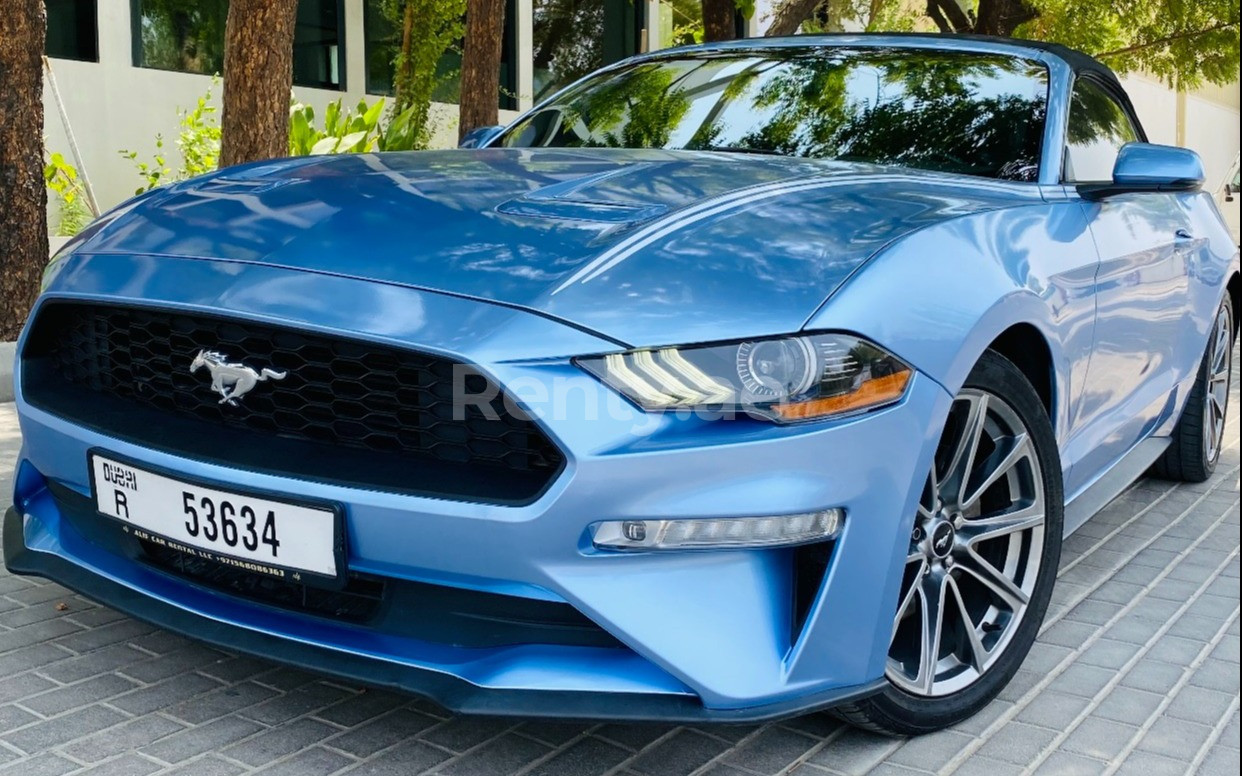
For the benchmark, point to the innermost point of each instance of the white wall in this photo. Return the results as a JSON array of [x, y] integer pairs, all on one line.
[[1206, 120]]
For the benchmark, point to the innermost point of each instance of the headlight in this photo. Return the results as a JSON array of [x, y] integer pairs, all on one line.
[[785, 379]]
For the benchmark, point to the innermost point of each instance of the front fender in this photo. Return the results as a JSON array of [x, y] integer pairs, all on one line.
[[940, 297]]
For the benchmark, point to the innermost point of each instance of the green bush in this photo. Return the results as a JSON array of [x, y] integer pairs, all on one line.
[[66, 185]]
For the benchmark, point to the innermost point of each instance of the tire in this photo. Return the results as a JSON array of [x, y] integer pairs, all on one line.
[[1028, 494], [1199, 434]]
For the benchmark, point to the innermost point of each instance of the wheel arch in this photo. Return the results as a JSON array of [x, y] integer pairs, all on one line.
[[1027, 348]]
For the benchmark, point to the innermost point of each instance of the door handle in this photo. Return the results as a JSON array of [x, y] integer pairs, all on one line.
[[1183, 234]]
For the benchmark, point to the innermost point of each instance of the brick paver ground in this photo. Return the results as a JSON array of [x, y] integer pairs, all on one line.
[[1136, 671]]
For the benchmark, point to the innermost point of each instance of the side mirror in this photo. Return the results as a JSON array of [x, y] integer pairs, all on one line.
[[1147, 167], [478, 137]]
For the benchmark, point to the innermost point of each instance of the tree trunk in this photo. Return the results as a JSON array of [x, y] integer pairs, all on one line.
[[480, 65], [258, 80], [718, 20], [405, 62], [23, 195], [789, 17]]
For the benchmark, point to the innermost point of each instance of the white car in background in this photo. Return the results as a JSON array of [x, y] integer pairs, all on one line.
[[1227, 198]]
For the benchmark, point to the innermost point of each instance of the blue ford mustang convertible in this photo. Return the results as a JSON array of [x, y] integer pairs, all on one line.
[[731, 382]]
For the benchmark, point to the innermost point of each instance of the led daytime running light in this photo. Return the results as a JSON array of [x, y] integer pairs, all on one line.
[[718, 533]]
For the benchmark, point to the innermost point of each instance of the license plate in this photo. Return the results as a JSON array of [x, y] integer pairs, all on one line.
[[252, 533]]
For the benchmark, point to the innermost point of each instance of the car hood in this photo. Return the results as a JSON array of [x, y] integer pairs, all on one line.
[[645, 247]]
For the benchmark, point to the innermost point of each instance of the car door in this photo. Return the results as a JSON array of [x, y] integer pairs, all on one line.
[[1141, 289]]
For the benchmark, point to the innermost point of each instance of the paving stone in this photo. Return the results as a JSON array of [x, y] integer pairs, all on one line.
[[588, 757], [125, 765], [303, 700], [1108, 653], [44, 764], [770, 751], [308, 762], [1053, 710], [383, 732], [404, 759], [554, 733], [986, 766], [359, 708], [931, 752], [59, 730], [169, 692], [1017, 743], [211, 737], [1083, 680], [1153, 676], [208, 765], [15, 688], [1216, 675], [464, 733], [506, 754], [279, 741], [1221, 761], [632, 736], [1141, 763], [1175, 738], [854, 752], [1067, 764], [83, 693], [217, 703], [99, 661], [1128, 705], [682, 753], [1196, 704], [122, 738], [1098, 738]]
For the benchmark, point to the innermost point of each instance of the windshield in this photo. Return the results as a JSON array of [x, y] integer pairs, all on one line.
[[961, 112]]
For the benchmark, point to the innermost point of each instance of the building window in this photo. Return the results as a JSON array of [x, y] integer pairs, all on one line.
[[318, 43], [383, 41], [72, 30], [575, 37], [182, 35]]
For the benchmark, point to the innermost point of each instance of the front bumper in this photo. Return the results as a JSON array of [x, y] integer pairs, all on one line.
[[705, 635]]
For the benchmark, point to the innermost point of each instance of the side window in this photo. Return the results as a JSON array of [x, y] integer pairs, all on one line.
[[1098, 128]]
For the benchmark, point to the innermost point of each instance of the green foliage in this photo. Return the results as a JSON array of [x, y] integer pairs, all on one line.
[[66, 185], [434, 27], [198, 144], [199, 140], [1182, 42], [350, 131], [153, 173]]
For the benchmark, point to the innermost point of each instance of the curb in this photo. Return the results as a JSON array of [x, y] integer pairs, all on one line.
[[8, 351]]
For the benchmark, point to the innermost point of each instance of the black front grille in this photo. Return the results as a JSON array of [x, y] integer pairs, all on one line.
[[345, 411]]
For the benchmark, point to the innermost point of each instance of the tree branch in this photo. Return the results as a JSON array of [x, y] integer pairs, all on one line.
[[933, 10], [790, 16], [949, 16], [1166, 40], [957, 17]]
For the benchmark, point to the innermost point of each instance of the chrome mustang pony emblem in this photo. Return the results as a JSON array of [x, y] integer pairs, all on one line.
[[231, 380]]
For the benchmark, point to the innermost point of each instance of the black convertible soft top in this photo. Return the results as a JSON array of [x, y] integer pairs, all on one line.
[[1077, 60]]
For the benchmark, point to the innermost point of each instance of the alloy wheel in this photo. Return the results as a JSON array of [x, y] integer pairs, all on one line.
[[1220, 363], [975, 552]]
